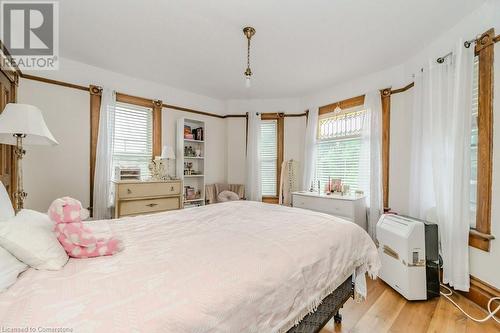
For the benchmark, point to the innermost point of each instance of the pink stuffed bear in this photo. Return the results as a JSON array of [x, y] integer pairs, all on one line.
[[78, 240]]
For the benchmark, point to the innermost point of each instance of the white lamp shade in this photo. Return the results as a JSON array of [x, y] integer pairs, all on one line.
[[24, 119], [168, 153]]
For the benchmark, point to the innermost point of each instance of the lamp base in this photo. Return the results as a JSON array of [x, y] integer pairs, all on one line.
[[19, 194]]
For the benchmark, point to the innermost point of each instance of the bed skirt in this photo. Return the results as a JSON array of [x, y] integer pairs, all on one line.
[[328, 308]]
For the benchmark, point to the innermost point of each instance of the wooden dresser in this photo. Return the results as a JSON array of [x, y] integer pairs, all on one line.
[[352, 208], [134, 197]]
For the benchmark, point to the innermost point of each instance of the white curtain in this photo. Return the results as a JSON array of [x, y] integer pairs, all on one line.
[[309, 165], [444, 100], [370, 178], [103, 196], [422, 199], [253, 176]]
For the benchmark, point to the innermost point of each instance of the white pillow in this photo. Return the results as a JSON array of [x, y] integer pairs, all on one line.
[[29, 239], [37, 218], [10, 268], [6, 210]]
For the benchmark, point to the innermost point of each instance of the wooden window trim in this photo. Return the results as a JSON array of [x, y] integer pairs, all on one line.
[[385, 95], [480, 237], [343, 104], [279, 117], [95, 107]]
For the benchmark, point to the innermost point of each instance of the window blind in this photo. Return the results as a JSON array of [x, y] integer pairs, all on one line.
[[269, 156], [474, 133], [339, 148], [132, 137]]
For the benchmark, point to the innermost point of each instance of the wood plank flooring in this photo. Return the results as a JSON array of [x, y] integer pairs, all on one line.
[[387, 311]]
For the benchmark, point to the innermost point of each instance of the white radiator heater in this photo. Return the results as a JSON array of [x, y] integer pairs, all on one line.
[[408, 250]]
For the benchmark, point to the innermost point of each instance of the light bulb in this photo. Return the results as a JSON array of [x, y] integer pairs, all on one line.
[[248, 81]]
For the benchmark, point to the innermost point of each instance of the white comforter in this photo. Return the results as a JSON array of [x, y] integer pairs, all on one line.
[[230, 267]]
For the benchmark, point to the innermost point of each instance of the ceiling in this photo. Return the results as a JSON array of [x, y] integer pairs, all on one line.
[[299, 47]]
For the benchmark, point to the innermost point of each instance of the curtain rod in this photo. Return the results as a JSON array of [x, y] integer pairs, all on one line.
[[83, 88]]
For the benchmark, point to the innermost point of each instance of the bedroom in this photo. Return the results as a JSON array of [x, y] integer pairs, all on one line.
[[313, 125]]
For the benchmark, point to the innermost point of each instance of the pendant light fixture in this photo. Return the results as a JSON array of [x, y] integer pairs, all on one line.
[[249, 32]]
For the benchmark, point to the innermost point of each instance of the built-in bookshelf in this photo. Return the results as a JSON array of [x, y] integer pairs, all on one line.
[[191, 144]]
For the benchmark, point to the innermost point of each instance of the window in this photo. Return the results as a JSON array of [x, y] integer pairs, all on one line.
[[132, 137], [473, 142], [269, 156], [481, 142], [339, 147]]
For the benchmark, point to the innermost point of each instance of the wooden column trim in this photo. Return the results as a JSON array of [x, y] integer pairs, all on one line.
[[484, 49], [157, 136], [281, 150], [386, 143], [95, 108]]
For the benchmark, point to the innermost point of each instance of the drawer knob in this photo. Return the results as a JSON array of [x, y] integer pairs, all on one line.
[[152, 205], [129, 191], [171, 188]]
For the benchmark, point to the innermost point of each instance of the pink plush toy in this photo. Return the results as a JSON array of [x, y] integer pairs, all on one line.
[[78, 240]]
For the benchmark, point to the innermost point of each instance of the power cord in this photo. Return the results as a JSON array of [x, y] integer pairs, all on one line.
[[491, 314]]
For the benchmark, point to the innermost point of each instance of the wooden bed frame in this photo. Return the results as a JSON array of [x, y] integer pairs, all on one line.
[[328, 309]]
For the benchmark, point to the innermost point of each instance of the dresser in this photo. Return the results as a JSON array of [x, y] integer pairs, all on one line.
[[134, 197], [349, 207]]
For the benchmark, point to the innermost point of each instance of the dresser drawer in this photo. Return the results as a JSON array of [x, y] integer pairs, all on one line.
[[136, 207], [337, 207], [136, 190]]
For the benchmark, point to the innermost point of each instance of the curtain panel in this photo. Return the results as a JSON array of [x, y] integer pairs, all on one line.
[[103, 194], [253, 172], [309, 165], [440, 174]]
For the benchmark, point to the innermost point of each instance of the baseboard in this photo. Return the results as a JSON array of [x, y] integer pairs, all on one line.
[[480, 293]]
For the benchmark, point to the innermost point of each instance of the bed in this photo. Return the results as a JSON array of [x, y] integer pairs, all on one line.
[[231, 267]]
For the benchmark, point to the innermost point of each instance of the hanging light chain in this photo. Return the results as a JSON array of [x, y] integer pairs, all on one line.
[[249, 32], [248, 53]]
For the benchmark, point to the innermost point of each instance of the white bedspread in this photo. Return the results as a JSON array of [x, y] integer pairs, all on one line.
[[229, 267]]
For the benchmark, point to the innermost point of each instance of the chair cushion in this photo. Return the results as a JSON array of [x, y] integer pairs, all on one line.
[[227, 196]]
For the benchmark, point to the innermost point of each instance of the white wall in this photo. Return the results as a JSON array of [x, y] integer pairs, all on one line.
[[215, 137], [400, 153], [51, 172], [83, 74], [235, 147]]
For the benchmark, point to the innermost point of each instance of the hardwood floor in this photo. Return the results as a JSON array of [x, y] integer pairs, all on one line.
[[387, 311]]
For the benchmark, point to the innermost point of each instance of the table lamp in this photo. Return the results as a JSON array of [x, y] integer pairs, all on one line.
[[167, 153], [23, 124]]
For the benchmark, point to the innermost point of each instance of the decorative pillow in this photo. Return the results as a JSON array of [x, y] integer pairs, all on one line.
[[36, 218], [6, 210], [10, 268], [28, 238], [227, 196]]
